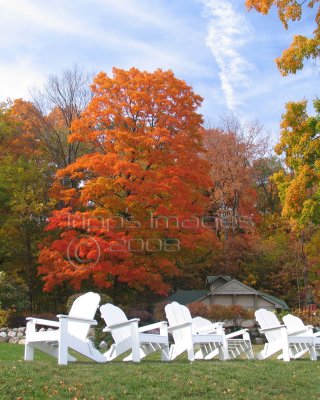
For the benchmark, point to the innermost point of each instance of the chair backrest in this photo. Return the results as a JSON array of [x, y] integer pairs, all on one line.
[[267, 319], [199, 322], [295, 324], [84, 306], [114, 315], [178, 314]]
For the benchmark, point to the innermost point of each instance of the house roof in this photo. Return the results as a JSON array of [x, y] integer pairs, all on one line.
[[281, 302], [187, 296], [236, 287], [213, 278], [231, 287]]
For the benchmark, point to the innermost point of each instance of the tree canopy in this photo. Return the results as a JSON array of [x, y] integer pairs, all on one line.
[[302, 47]]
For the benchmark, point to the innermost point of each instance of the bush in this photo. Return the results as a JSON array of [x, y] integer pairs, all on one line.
[[19, 320], [235, 314], [238, 314], [309, 318], [158, 311], [13, 296], [4, 316], [198, 309], [145, 316], [218, 313]]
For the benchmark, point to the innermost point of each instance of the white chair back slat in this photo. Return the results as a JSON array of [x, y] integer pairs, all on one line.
[[268, 319], [84, 306], [295, 324], [178, 314], [200, 322], [114, 315]]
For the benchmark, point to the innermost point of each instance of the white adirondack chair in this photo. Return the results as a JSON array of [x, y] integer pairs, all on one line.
[[296, 327], [280, 339], [70, 333], [238, 342], [128, 336], [186, 338]]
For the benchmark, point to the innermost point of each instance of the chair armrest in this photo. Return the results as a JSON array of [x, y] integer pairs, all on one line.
[[236, 333], [39, 321], [179, 326], [77, 319], [316, 334], [293, 333], [209, 328], [157, 325], [121, 324], [273, 328]]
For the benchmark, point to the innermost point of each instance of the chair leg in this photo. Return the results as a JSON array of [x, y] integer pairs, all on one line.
[[249, 352], [63, 353], [313, 353], [165, 356], [28, 352]]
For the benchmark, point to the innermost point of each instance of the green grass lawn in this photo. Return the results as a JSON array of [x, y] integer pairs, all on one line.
[[152, 379]]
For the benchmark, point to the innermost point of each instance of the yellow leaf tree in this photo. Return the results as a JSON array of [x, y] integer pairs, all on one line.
[[302, 47]]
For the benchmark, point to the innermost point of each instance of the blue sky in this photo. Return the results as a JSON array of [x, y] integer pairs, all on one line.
[[224, 52]]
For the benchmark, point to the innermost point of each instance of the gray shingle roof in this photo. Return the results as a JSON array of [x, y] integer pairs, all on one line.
[[187, 296], [212, 278]]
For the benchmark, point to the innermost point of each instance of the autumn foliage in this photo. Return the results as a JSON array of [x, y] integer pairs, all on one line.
[[234, 314], [138, 197], [302, 47]]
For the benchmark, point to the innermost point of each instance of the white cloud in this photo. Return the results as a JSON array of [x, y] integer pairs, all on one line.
[[113, 26], [17, 78], [228, 31]]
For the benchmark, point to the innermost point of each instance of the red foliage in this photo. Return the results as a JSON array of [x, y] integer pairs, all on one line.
[[147, 168]]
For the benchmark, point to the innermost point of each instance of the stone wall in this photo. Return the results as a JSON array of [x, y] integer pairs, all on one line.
[[18, 335], [13, 335]]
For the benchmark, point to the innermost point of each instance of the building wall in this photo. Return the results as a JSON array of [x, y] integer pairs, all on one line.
[[246, 301], [262, 303]]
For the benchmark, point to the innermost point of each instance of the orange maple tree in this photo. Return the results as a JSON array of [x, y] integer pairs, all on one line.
[[137, 206]]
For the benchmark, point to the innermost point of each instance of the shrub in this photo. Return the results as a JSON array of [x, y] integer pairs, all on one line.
[[4, 316], [13, 295], [235, 314], [309, 318], [198, 309], [238, 314], [158, 312], [218, 313], [145, 316]]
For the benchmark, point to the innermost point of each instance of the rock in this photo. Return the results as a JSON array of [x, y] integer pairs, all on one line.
[[11, 334], [15, 329], [3, 334], [92, 332], [42, 330], [22, 341], [14, 340], [22, 329], [4, 339], [258, 340], [20, 335], [103, 345]]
